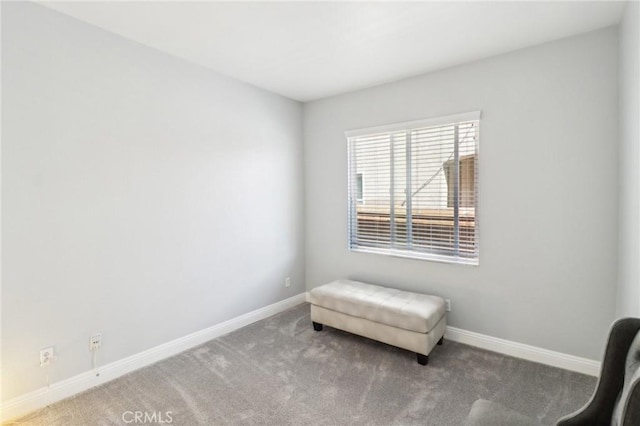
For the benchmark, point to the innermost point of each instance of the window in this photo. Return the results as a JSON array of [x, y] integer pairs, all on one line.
[[421, 189]]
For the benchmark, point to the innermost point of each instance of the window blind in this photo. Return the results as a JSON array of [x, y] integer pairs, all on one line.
[[413, 189]]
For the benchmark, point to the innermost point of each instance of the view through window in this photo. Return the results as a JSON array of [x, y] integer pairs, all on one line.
[[413, 189]]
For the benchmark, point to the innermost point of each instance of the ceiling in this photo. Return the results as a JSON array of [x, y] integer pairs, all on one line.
[[311, 50]]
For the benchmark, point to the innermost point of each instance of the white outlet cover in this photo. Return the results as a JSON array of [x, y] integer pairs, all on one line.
[[95, 341], [46, 356]]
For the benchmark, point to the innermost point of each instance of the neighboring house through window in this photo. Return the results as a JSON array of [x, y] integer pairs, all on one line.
[[359, 188], [421, 189]]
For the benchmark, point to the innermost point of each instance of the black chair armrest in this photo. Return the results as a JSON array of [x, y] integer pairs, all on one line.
[[598, 411]]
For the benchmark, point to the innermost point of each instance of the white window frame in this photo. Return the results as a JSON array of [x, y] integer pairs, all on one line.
[[353, 201]]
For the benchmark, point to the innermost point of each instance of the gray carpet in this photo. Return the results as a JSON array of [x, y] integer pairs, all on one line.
[[278, 371]]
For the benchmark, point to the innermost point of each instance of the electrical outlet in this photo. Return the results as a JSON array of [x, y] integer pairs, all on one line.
[[95, 342], [448, 304], [46, 356], [287, 281]]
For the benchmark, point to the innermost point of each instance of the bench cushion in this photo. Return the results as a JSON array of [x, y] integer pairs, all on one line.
[[410, 311]]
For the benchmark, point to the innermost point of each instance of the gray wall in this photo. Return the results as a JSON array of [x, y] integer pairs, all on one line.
[[547, 191], [142, 196], [629, 252]]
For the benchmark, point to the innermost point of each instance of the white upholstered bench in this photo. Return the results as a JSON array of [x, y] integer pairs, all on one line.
[[411, 321]]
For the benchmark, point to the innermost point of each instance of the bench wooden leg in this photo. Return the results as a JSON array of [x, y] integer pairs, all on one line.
[[423, 359], [317, 326], [441, 341]]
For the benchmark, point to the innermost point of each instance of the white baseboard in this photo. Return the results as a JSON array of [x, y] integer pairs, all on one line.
[[42, 397], [519, 350]]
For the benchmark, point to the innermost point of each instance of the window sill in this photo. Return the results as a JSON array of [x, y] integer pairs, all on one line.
[[407, 254]]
